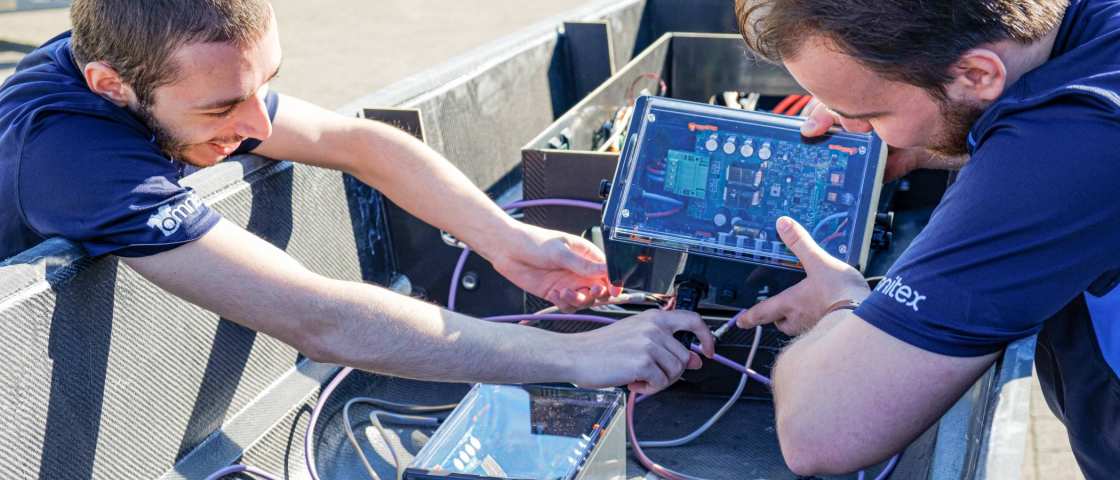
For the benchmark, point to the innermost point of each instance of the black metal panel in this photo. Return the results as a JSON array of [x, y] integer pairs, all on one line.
[[587, 45], [419, 251], [698, 16], [702, 65], [582, 120], [551, 174]]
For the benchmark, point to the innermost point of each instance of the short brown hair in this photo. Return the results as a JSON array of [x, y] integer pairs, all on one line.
[[138, 38], [913, 41]]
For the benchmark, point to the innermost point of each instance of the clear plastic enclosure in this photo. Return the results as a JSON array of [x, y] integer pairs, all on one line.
[[713, 181]]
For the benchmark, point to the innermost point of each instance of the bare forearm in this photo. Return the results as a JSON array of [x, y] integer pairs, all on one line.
[[242, 278], [849, 395], [373, 329], [425, 184], [416, 177]]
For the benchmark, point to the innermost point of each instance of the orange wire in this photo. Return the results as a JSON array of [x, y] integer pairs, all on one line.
[[785, 103], [799, 105]]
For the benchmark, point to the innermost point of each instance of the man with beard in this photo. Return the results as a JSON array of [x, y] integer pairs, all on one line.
[[98, 125], [1024, 98]]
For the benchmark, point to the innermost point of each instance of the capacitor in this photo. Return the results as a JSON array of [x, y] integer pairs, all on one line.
[[765, 153], [748, 149], [720, 219]]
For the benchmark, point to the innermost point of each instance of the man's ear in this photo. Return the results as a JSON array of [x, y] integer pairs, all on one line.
[[979, 75], [104, 80]]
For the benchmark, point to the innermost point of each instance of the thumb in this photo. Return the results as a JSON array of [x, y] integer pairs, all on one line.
[[584, 263], [819, 121], [801, 243]]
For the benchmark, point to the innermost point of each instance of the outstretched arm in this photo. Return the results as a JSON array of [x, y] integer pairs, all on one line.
[[558, 267], [247, 280]]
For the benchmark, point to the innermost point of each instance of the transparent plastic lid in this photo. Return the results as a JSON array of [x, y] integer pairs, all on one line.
[[520, 431], [713, 181]]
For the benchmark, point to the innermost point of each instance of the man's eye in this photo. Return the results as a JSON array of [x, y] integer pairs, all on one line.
[[221, 113]]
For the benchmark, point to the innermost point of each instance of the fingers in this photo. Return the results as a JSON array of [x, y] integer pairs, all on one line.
[[679, 351], [669, 362], [801, 243], [694, 362], [642, 388], [680, 320], [820, 120], [583, 258], [650, 380], [768, 311], [566, 300], [601, 291]]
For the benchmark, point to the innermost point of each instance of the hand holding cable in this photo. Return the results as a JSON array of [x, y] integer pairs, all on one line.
[[640, 351], [828, 281]]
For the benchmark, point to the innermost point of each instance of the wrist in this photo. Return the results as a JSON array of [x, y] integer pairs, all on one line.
[[499, 241], [494, 237], [559, 359]]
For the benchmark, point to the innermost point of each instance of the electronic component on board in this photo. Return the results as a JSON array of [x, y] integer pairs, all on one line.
[[713, 181]]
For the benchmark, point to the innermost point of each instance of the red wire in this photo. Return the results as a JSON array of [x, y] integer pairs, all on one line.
[[650, 75], [799, 105], [663, 214], [785, 103], [642, 458], [836, 234]]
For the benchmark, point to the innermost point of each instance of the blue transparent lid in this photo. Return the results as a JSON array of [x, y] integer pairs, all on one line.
[[713, 181]]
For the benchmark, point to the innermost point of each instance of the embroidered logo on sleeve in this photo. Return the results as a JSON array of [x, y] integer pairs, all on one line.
[[170, 217], [902, 293]]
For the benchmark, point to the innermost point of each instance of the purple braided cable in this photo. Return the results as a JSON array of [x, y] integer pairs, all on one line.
[[453, 290], [597, 319], [309, 436]]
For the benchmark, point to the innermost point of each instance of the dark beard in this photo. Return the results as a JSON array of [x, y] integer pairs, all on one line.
[[171, 146], [953, 140]]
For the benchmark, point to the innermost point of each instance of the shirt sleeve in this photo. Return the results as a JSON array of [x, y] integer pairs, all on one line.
[[271, 102], [1033, 219], [99, 183]]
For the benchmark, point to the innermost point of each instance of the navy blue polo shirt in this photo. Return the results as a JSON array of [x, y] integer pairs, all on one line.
[[1031, 224], [1034, 216], [74, 165]]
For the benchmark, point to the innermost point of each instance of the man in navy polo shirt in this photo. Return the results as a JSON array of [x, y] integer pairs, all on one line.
[[98, 125], [1024, 98]]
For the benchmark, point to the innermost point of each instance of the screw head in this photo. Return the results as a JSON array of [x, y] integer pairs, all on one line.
[[470, 281]]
